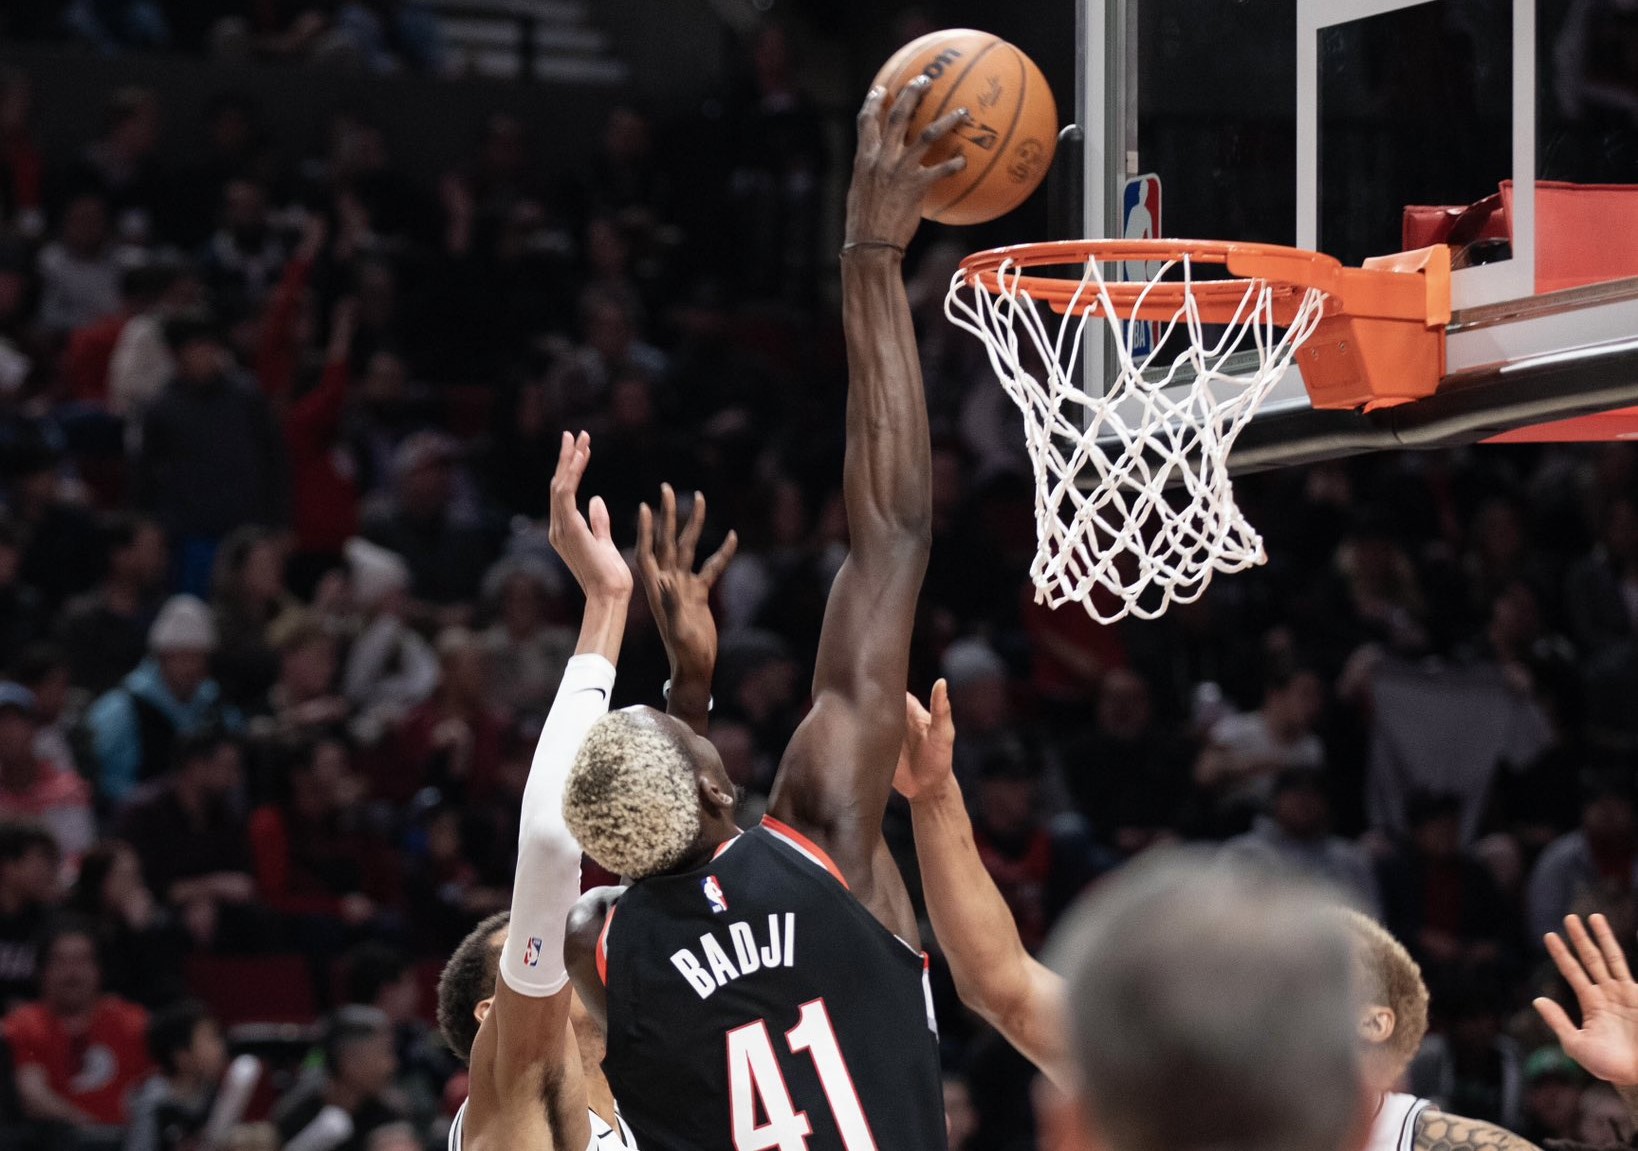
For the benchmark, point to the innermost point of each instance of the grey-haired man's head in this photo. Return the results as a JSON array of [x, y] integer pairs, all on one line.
[[1211, 1008]]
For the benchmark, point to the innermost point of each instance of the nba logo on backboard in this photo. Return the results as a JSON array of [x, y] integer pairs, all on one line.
[[531, 952], [713, 894], [1140, 220]]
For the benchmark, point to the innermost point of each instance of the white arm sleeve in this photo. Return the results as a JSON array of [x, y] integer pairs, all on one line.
[[547, 883]]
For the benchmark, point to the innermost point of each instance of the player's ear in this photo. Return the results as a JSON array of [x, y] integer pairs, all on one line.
[[482, 1009], [1378, 1024], [716, 794]]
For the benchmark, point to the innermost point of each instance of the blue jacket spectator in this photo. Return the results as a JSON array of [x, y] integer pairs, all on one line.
[[135, 727]]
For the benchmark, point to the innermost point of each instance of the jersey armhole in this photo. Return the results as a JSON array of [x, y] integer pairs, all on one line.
[[603, 946], [806, 847]]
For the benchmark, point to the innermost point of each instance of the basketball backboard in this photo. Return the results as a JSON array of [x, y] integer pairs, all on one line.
[[1318, 123]]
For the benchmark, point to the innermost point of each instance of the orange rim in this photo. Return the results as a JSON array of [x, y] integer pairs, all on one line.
[[1287, 272]]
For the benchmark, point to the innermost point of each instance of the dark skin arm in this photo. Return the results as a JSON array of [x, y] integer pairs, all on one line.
[[680, 600], [837, 772], [580, 949]]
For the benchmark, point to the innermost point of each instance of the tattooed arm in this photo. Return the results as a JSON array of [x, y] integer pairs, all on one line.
[[1436, 1131]]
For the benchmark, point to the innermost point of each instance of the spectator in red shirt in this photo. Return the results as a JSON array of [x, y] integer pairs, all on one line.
[[323, 473], [77, 1052], [316, 862]]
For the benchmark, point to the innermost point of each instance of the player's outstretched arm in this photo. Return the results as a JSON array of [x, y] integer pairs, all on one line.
[[1606, 1043], [835, 778], [993, 973], [680, 599], [523, 1055]]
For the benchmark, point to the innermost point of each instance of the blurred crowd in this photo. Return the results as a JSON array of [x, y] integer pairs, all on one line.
[[279, 623], [373, 35]]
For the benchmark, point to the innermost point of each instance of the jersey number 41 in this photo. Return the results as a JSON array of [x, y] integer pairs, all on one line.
[[753, 1074]]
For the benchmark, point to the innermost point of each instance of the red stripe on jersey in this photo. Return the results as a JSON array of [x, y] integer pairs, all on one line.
[[603, 946], [805, 845]]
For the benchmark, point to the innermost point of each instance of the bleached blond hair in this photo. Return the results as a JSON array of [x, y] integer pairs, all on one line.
[[1389, 977], [631, 798]]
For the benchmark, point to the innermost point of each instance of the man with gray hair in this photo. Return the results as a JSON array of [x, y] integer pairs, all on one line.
[[1210, 1008]]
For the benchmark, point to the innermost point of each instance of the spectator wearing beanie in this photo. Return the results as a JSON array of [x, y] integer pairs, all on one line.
[[135, 727], [390, 668]]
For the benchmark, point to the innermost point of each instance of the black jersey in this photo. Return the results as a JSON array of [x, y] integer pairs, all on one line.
[[755, 1004]]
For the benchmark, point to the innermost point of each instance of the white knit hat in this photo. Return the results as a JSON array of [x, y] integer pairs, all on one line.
[[376, 572], [183, 624]]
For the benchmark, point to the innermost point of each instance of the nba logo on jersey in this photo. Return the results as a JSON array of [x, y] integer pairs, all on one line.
[[713, 894], [1140, 220], [531, 952]]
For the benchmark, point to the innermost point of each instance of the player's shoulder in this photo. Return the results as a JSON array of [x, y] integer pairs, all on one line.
[[587, 917]]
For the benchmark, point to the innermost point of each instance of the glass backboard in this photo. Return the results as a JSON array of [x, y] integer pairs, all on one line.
[[1366, 127]]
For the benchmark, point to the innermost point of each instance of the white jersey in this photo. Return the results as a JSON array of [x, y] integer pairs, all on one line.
[[603, 1137], [1395, 1125]]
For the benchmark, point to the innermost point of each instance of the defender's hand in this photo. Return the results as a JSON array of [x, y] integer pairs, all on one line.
[[586, 547], [1606, 1043], [927, 757], [889, 180], [679, 597]]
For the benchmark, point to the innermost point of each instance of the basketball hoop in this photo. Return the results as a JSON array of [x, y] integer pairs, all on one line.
[[1133, 501]]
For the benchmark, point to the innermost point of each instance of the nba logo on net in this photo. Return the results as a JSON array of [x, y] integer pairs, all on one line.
[[531, 952], [713, 894]]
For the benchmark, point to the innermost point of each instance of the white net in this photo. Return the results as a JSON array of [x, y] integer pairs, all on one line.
[[1134, 510]]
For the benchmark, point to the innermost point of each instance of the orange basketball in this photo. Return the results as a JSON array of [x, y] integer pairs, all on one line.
[[1014, 128]]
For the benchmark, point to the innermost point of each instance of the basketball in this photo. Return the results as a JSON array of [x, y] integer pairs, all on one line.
[[1014, 129]]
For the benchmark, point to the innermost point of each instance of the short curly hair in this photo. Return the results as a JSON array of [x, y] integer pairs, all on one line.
[[1390, 978], [468, 979], [632, 799]]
